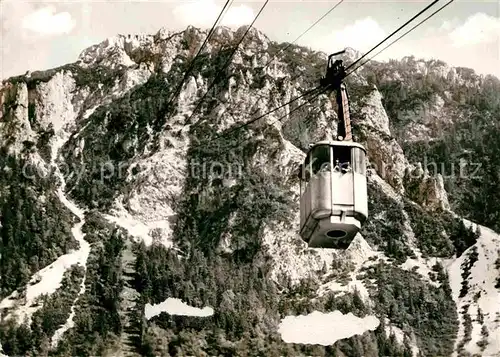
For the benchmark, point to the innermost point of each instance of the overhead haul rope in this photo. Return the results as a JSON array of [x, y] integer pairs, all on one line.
[[259, 97], [392, 34], [354, 63], [285, 48], [269, 112], [383, 49], [191, 65], [304, 32], [400, 37], [232, 145], [226, 64], [290, 44], [324, 89]]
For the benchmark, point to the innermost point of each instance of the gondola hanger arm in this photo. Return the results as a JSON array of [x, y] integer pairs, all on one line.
[[334, 81]]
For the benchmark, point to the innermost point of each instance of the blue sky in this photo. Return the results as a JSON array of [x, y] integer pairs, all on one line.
[[41, 34]]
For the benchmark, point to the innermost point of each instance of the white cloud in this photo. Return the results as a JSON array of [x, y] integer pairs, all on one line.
[[362, 35], [11, 12], [237, 16], [324, 328], [478, 28], [205, 12], [447, 26], [46, 21]]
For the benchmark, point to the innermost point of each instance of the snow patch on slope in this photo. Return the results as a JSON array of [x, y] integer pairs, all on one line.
[[323, 328], [140, 230], [45, 281], [481, 282], [80, 258], [83, 252], [147, 211], [422, 266], [54, 106], [48, 279], [176, 307]]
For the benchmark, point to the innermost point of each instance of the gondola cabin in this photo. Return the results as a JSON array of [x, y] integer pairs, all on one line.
[[333, 194]]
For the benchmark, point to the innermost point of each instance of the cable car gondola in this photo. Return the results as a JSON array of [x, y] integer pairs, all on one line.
[[333, 192]]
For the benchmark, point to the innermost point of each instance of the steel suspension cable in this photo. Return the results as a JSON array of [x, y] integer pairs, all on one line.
[[326, 88], [191, 65], [267, 113], [322, 91], [308, 92], [226, 64], [290, 44], [392, 34], [303, 33], [400, 37], [233, 145]]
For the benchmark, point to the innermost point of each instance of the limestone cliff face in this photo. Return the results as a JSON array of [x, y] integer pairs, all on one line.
[[429, 190], [123, 153], [15, 123]]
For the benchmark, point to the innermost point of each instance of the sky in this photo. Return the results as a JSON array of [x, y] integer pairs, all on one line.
[[38, 35]]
